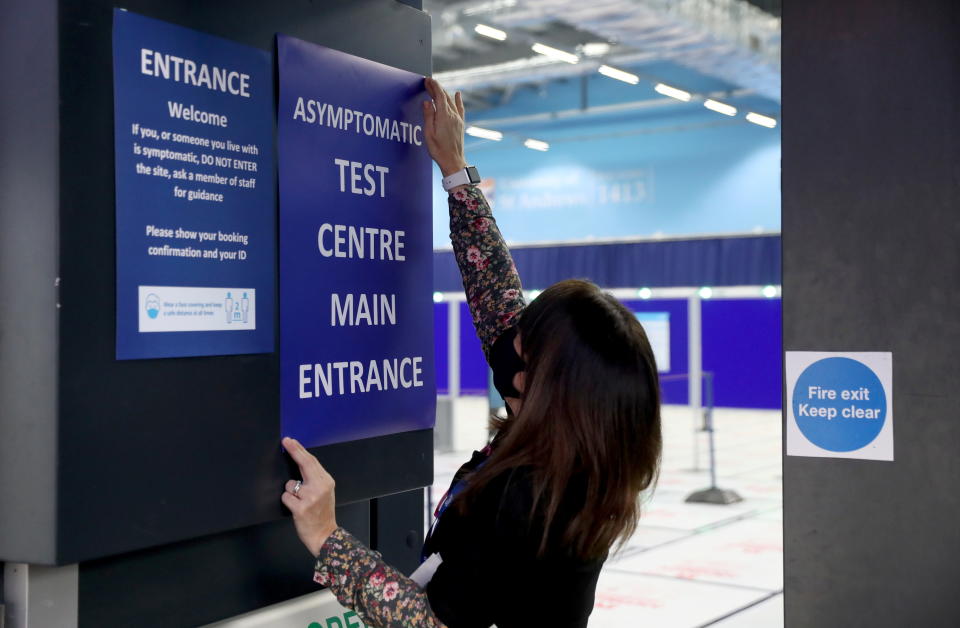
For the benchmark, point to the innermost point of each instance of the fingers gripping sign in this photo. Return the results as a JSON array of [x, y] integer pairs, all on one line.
[[311, 500], [443, 128]]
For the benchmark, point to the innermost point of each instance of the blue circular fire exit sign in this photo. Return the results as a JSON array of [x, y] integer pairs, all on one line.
[[839, 404]]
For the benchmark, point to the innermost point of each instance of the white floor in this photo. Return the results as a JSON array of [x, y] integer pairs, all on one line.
[[697, 565]]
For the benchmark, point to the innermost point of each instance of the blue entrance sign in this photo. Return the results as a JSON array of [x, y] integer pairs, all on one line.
[[196, 241], [356, 317]]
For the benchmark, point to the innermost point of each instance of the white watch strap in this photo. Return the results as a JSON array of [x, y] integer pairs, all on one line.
[[457, 178]]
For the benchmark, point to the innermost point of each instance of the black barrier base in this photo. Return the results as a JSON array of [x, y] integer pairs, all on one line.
[[714, 495]]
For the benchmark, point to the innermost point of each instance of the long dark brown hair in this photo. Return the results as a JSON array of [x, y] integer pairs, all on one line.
[[590, 413]]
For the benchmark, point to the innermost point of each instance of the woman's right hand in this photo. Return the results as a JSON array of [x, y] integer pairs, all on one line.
[[443, 128]]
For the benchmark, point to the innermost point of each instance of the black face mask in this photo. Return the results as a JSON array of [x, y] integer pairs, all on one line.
[[505, 364]]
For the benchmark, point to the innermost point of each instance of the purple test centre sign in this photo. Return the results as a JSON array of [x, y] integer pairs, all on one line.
[[356, 309]]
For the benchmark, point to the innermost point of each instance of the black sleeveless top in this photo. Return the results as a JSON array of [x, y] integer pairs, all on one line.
[[491, 573]]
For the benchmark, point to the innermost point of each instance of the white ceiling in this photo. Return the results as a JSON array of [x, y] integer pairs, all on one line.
[[730, 40]]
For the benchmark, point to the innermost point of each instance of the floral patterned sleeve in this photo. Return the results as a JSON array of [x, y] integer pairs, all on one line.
[[490, 277], [377, 592]]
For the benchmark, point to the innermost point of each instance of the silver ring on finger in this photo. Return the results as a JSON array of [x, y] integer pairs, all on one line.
[[296, 488]]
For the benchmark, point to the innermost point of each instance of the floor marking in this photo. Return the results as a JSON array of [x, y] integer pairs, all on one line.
[[740, 610]]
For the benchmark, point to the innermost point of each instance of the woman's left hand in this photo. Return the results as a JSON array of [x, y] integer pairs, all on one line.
[[314, 502]]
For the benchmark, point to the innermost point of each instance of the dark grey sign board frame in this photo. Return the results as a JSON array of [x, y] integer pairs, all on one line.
[[101, 457]]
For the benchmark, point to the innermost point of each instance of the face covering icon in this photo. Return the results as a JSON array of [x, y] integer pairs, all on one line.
[[153, 305]]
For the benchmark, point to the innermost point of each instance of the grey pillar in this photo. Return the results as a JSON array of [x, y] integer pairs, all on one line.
[[871, 226]]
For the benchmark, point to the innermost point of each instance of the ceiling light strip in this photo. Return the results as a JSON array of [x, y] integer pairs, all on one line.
[[720, 107], [672, 92], [554, 53], [762, 120], [491, 32], [487, 134], [620, 75]]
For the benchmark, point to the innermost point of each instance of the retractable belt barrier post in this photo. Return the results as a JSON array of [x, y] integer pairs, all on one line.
[[713, 494]]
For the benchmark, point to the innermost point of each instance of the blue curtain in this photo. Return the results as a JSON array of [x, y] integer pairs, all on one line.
[[733, 261]]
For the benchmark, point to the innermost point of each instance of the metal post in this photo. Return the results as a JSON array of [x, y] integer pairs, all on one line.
[[429, 519], [36, 596], [708, 424], [695, 370], [453, 349], [714, 494]]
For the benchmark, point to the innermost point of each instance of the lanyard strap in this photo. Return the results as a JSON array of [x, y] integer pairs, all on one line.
[[455, 489]]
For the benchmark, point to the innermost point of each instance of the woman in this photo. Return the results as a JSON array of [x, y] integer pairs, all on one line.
[[528, 522]]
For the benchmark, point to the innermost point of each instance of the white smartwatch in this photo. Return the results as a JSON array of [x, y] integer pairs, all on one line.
[[467, 176]]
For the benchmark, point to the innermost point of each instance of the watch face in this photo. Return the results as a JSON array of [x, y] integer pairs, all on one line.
[[472, 174]]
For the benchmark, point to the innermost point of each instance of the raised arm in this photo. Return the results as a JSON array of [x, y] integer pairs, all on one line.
[[490, 277]]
